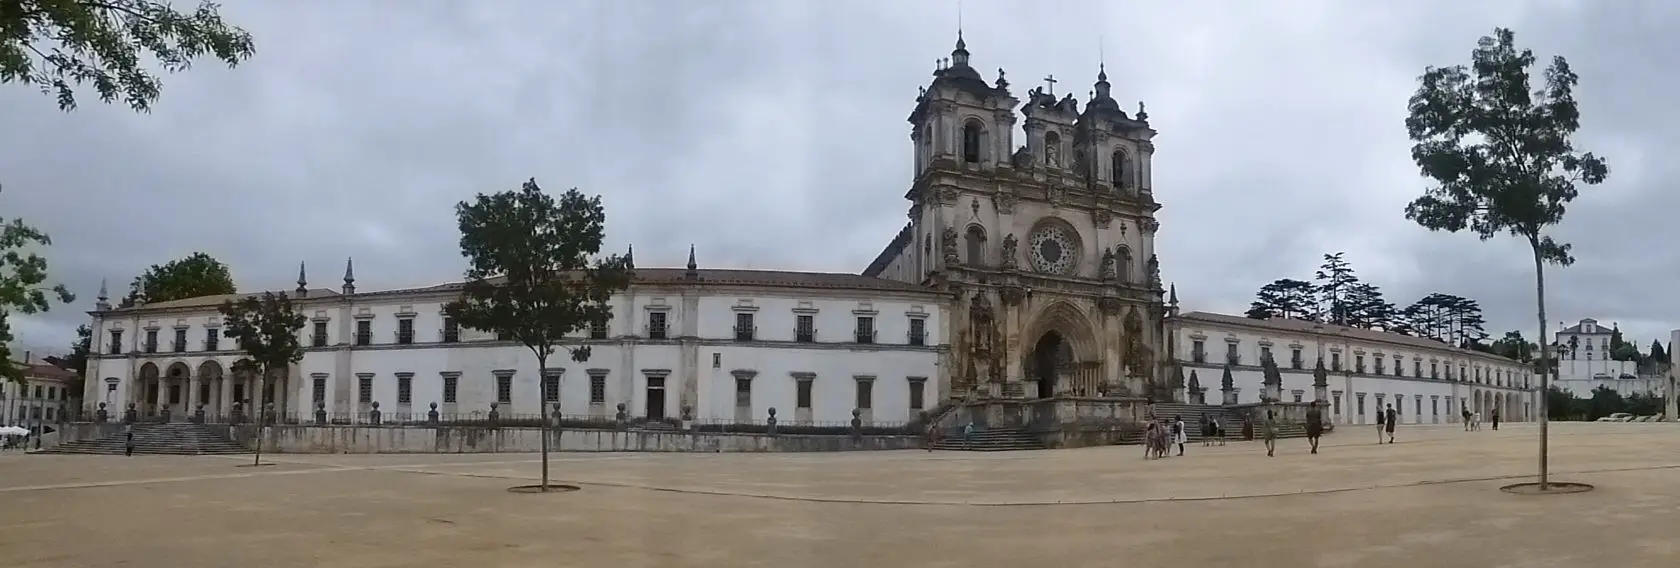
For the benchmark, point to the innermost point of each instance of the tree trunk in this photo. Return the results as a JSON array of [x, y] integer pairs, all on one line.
[[542, 398], [257, 406], [1545, 385]]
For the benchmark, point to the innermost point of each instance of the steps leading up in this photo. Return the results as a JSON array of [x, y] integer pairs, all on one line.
[[999, 440], [165, 439]]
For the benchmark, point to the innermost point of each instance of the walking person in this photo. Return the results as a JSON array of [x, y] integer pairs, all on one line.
[[1207, 431], [1381, 417], [1315, 426], [1219, 431], [1269, 431], [1149, 439], [1180, 436], [1391, 420], [1495, 419], [968, 435], [128, 440], [1466, 413]]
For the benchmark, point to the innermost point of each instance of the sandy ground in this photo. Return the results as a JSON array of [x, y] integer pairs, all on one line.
[[1430, 500]]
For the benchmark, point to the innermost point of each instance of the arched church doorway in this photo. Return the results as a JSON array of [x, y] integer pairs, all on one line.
[[1052, 355]]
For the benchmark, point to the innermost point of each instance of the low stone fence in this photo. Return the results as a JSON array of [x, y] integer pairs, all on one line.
[[334, 439]]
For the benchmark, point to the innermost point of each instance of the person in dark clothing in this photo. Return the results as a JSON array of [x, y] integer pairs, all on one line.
[[1391, 420], [128, 442], [1315, 426], [1495, 417], [1380, 425], [1466, 414], [1248, 429]]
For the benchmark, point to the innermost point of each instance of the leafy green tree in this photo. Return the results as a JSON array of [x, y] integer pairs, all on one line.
[[1513, 346], [1561, 403], [1604, 402], [265, 328], [534, 273], [58, 45], [1501, 156], [1643, 404], [23, 289], [1283, 298], [195, 276], [1368, 309], [1658, 354], [1335, 281]]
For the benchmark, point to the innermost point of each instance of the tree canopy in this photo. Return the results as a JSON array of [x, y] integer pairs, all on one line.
[[59, 45], [266, 329], [535, 274], [23, 287], [196, 275]]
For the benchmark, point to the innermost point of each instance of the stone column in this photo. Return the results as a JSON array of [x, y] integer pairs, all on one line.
[[192, 394], [1114, 367]]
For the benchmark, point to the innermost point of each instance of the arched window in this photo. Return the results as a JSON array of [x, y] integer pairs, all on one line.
[[975, 242], [1123, 264], [973, 138], [1118, 169]]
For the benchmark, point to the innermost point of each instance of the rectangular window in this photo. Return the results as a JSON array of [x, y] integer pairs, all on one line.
[[451, 330], [916, 394], [318, 392], [1198, 351], [116, 342], [865, 394], [743, 393], [319, 338], [744, 328], [865, 329], [656, 325], [1295, 358], [1359, 364], [802, 398], [1417, 404], [405, 331], [1434, 370], [450, 384], [1336, 361], [151, 341], [1232, 356], [405, 388], [1361, 397], [597, 389], [598, 330], [1434, 406], [180, 343], [1399, 365], [1379, 362], [1265, 352], [918, 331], [805, 329], [212, 339], [504, 389], [1336, 403], [1298, 395], [364, 332], [364, 388], [1417, 369], [551, 387]]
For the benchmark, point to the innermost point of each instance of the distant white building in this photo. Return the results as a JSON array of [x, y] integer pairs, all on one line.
[[728, 345], [1584, 363], [1427, 381]]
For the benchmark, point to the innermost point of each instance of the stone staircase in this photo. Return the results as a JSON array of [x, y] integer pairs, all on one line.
[[165, 439], [987, 440]]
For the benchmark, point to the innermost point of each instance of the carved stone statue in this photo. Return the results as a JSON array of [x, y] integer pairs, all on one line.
[[1053, 155], [1154, 266], [1108, 270], [948, 246], [1010, 250], [1022, 158], [980, 318]]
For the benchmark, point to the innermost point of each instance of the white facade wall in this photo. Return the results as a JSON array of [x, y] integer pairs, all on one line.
[[1434, 381], [699, 361]]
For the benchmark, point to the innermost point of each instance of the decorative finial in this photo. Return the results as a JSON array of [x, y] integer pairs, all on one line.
[[349, 275], [1001, 82], [1172, 294], [693, 271], [104, 293], [1050, 81], [303, 282], [630, 256], [1142, 114]]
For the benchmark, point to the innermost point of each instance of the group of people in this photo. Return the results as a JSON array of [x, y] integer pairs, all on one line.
[[1160, 436], [1473, 420]]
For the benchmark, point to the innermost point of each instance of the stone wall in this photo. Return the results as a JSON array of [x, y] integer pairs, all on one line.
[[317, 439]]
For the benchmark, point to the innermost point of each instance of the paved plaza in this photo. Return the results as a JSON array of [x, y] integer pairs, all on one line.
[[1430, 500]]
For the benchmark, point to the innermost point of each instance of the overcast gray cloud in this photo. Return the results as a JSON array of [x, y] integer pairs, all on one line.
[[771, 134]]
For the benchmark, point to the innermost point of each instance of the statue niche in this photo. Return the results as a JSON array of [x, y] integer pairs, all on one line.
[[985, 347]]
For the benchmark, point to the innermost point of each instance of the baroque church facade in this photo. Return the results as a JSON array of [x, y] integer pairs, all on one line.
[[1045, 246]]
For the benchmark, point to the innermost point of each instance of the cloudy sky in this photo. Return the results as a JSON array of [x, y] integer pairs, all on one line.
[[772, 134]]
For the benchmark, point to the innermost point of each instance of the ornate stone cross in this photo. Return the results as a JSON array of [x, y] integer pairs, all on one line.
[[1051, 81]]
